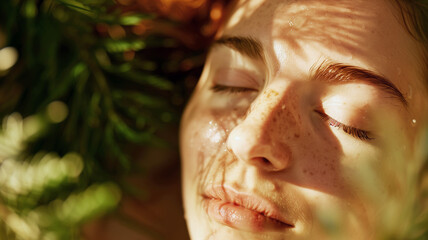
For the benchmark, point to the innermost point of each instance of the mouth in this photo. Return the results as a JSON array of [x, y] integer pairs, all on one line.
[[243, 211]]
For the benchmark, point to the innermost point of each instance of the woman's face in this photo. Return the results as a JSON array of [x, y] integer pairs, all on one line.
[[300, 102]]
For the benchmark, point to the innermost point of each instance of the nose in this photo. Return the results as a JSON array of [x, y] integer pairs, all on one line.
[[259, 140]]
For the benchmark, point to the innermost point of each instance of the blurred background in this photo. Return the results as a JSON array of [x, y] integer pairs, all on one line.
[[91, 93]]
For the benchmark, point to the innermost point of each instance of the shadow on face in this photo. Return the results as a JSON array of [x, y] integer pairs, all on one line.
[[265, 127]]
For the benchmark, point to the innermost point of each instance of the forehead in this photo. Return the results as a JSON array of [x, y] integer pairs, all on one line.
[[366, 33]]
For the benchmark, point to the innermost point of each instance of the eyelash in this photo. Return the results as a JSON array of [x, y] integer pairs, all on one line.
[[229, 89], [355, 132]]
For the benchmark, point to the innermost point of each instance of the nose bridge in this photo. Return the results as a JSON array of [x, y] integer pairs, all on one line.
[[273, 104], [261, 138]]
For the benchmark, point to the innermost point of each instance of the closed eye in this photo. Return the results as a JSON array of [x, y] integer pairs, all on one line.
[[354, 132], [230, 89]]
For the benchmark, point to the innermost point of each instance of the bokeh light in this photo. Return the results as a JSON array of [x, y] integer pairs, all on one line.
[[57, 111], [8, 58]]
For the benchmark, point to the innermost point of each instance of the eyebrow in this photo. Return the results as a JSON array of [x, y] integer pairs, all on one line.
[[342, 73], [326, 71], [247, 46]]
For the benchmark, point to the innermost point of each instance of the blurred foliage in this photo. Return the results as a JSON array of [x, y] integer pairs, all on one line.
[[396, 185], [82, 83], [28, 183], [63, 59]]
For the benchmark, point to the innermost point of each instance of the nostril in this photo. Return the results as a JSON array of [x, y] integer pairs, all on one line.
[[247, 144], [263, 162], [267, 164]]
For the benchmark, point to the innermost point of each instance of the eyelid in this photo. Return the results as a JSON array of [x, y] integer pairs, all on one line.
[[353, 131], [236, 78], [230, 89]]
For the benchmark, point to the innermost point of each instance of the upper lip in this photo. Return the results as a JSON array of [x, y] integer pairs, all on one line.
[[246, 200]]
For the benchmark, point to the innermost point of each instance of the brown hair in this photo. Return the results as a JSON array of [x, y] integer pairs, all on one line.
[[414, 14]]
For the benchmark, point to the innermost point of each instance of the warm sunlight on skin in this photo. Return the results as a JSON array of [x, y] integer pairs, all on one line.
[[293, 102]]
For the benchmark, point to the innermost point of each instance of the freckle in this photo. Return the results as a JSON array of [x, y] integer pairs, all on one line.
[[304, 171], [309, 134], [275, 93], [271, 93], [323, 172], [296, 135], [311, 173]]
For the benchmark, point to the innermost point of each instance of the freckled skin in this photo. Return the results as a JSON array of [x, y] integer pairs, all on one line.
[[275, 145]]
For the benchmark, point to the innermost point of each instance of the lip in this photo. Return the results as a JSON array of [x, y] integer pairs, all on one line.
[[243, 211]]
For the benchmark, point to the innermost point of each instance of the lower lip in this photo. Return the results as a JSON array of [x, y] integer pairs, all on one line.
[[238, 217]]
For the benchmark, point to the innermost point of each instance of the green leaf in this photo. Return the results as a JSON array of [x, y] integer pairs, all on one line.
[[126, 72], [78, 207], [78, 6], [155, 81], [95, 2], [139, 98], [29, 9], [117, 46], [130, 134], [134, 19]]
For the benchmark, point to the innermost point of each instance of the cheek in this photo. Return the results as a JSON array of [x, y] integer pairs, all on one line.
[[319, 167], [315, 153], [204, 135]]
